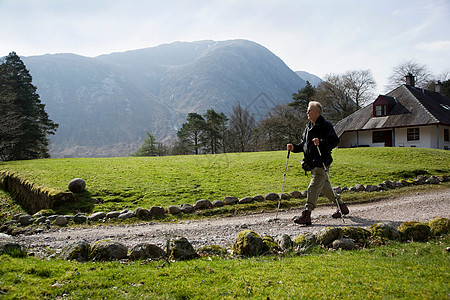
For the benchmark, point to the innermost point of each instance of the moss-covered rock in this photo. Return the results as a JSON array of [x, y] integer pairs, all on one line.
[[306, 239], [385, 230], [146, 251], [78, 250], [270, 243], [326, 236], [249, 243], [11, 248], [439, 226], [284, 241], [211, 250], [181, 249], [108, 250], [414, 231], [358, 234]]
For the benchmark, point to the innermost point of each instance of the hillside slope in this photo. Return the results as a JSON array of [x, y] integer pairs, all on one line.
[[104, 105]]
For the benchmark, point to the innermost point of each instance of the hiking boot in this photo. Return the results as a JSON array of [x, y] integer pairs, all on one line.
[[305, 218], [344, 210]]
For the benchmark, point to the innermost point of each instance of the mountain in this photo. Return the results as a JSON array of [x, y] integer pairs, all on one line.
[[313, 79], [104, 105]]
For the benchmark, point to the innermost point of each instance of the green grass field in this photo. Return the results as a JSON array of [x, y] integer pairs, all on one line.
[[131, 182], [394, 271]]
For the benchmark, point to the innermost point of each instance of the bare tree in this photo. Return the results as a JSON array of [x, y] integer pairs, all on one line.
[[360, 86], [240, 129], [420, 72]]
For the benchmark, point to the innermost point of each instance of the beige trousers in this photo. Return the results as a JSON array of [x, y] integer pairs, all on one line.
[[320, 183]]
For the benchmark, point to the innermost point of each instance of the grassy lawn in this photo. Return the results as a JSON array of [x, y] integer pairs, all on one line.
[[394, 271], [130, 182]]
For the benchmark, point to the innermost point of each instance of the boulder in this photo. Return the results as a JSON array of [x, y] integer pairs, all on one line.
[[77, 185], [249, 243], [439, 226], [284, 241], [187, 208], [295, 194], [41, 220], [270, 243], [212, 250], [358, 234], [389, 184], [360, 188], [326, 236], [337, 189], [11, 248], [217, 203], [304, 193], [113, 214], [142, 213], [25, 219], [246, 200], [305, 240], [174, 209], [61, 221], [284, 196], [271, 196], [157, 211], [79, 218], [108, 250], [202, 204], [230, 200], [414, 231], [78, 250], [146, 251], [126, 215], [385, 230], [371, 188], [433, 180], [97, 216], [181, 249], [344, 244], [258, 198]]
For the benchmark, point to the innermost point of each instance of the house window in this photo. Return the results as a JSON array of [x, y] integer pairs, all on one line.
[[446, 138], [380, 110], [413, 134], [377, 137]]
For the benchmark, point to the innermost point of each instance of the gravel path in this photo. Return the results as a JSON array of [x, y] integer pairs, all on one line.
[[422, 206]]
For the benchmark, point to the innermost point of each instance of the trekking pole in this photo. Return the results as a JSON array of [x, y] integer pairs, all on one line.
[[282, 186], [328, 177]]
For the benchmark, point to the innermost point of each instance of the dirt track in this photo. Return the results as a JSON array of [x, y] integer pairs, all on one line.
[[422, 206]]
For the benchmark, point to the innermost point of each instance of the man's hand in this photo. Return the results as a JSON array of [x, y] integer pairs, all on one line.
[[290, 147], [315, 141]]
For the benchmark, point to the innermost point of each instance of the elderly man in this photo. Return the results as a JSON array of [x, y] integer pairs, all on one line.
[[318, 133]]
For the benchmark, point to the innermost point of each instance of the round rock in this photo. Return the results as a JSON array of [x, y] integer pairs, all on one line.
[[77, 185]]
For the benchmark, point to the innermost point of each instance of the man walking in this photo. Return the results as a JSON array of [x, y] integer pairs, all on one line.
[[318, 133]]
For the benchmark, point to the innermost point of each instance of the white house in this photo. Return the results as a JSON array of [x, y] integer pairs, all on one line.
[[405, 117]]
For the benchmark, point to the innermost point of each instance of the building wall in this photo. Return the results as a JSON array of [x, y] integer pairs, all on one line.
[[427, 139]]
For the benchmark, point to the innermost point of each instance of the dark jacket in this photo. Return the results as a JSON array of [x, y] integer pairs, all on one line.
[[328, 139]]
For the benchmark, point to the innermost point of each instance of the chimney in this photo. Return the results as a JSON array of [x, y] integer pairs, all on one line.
[[410, 80], [438, 87]]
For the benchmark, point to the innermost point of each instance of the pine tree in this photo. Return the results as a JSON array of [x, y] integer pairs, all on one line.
[[24, 124], [150, 147]]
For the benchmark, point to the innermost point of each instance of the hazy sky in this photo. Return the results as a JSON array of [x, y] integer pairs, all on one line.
[[317, 36]]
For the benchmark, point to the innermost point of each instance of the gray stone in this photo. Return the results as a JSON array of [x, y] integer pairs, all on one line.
[[61, 221], [337, 190], [97, 216], [76, 250], [11, 248], [142, 213], [246, 200], [305, 240], [326, 236], [41, 220], [25, 220], [157, 212], [284, 241], [230, 200], [433, 180], [284, 196], [77, 185], [146, 251], [217, 203], [389, 184], [52, 218], [271, 196], [181, 249], [304, 193], [174, 210], [385, 230], [258, 198], [360, 188], [126, 215], [113, 214], [187, 208], [79, 218], [108, 250], [371, 188], [202, 204], [344, 244], [17, 216], [295, 194]]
